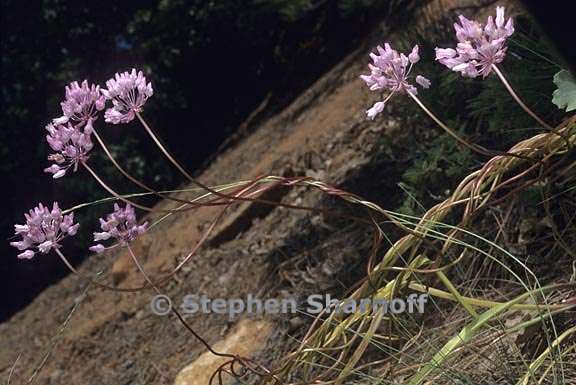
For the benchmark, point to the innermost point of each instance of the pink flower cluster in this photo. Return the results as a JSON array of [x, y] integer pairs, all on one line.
[[390, 71], [121, 225], [128, 92], [82, 102], [479, 47], [70, 137], [44, 229], [70, 134], [71, 145]]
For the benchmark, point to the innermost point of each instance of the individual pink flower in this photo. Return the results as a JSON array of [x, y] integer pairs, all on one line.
[[44, 230], [82, 103], [423, 81], [128, 92], [71, 145], [120, 225], [389, 70], [479, 46]]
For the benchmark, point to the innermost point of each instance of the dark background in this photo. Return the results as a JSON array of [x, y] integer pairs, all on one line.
[[211, 64]]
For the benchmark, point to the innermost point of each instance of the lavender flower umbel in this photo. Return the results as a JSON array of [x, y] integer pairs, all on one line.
[[44, 230], [71, 145], [479, 47], [82, 103], [120, 225], [128, 92], [390, 71]]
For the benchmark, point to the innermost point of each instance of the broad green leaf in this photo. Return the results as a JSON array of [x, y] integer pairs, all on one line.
[[565, 95]]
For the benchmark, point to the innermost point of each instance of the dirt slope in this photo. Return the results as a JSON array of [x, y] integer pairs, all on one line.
[[114, 338]]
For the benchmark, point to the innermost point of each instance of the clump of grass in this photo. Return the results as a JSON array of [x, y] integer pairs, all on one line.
[[488, 301], [410, 265]]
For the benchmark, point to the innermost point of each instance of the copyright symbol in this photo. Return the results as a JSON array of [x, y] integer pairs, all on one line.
[[161, 304]]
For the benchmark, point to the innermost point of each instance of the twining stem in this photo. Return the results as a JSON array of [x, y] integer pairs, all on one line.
[[246, 363], [187, 205], [67, 263], [473, 147], [173, 309], [113, 192], [92, 280], [174, 162], [57, 338], [13, 368], [526, 108], [120, 168], [451, 132], [201, 185], [134, 180], [163, 149], [518, 100], [246, 189]]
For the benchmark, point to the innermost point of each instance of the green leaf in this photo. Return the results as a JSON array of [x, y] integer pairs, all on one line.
[[565, 95]]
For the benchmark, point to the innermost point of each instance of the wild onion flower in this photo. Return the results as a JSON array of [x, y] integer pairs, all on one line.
[[120, 225], [71, 145], [479, 47], [82, 103], [44, 230], [128, 92], [390, 71]]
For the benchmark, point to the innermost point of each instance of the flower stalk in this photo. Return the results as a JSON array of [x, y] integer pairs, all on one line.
[[516, 98]]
